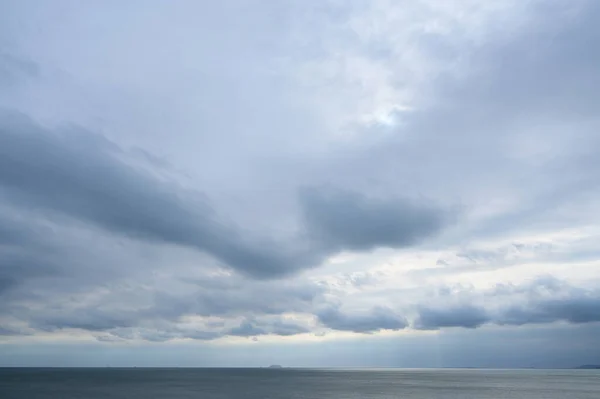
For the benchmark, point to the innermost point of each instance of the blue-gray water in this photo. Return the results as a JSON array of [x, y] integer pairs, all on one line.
[[297, 383]]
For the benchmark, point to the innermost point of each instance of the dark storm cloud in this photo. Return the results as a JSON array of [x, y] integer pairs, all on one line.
[[378, 318]]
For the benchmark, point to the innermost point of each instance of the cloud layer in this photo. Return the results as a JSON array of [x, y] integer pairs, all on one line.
[[85, 177], [297, 172]]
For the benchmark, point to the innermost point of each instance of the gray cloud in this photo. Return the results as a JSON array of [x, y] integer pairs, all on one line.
[[246, 329], [578, 309], [14, 70], [461, 316], [562, 346], [511, 137], [81, 175], [9, 331], [85, 176], [230, 296], [19, 266], [88, 319], [541, 301], [25, 252], [155, 335], [378, 318], [347, 220], [41, 257], [284, 328], [128, 326], [511, 112], [252, 328], [134, 310]]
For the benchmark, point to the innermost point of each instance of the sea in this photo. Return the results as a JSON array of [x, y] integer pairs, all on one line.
[[181, 383]]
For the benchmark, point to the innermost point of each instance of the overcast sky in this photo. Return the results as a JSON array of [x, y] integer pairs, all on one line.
[[308, 183]]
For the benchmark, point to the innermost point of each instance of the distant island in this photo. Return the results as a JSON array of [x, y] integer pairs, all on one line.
[[589, 367], [275, 366]]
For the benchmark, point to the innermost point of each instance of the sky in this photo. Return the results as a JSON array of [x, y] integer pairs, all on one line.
[[308, 183]]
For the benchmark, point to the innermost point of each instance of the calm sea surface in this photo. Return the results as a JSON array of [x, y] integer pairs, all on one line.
[[297, 383]]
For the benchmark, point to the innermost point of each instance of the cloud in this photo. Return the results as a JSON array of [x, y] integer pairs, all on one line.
[[125, 326], [246, 329], [85, 177], [88, 319], [463, 316], [127, 310], [9, 331], [317, 131], [231, 296], [285, 328], [155, 335], [14, 70], [82, 176], [347, 220], [543, 300], [252, 328], [24, 251], [501, 111], [378, 318], [583, 308]]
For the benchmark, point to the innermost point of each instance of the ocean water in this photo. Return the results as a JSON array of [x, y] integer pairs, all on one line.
[[297, 384]]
